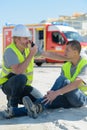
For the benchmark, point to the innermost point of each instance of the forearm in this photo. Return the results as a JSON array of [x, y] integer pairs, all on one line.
[[55, 56], [22, 66], [69, 87]]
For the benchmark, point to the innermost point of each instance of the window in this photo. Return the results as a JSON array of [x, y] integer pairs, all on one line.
[[41, 35], [73, 36], [57, 38]]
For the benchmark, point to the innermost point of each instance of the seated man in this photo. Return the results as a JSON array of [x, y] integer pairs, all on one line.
[[70, 88]]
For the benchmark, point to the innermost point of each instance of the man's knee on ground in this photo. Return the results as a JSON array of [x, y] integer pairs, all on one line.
[[75, 98]]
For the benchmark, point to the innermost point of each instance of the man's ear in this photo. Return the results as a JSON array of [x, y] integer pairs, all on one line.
[[75, 52]]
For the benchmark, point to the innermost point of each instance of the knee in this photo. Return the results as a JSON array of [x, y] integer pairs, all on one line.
[[63, 80], [77, 103], [21, 79]]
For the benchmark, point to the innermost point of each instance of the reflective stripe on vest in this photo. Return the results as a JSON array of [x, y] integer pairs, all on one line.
[[29, 71], [67, 67]]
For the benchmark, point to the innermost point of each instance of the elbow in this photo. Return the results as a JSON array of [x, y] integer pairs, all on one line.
[[18, 71]]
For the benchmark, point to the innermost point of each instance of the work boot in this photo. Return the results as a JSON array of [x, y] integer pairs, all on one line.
[[33, 109]]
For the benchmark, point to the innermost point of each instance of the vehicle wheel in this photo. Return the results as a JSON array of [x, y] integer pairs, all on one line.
[[39, 63]]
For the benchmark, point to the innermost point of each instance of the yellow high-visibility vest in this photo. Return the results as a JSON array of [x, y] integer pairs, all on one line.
[[29, 70], [66, 68]]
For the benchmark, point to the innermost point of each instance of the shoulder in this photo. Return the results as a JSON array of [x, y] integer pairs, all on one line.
[[66, 64], [84, 68], [9, 52], [10, 58], [83, 60]]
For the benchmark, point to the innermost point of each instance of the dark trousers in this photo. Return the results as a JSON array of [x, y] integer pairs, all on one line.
[[15, 89]]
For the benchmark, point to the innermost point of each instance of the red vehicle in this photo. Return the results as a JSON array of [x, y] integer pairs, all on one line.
[[49, 36]]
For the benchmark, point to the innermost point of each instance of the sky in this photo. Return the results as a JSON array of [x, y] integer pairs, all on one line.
[[34, 11]]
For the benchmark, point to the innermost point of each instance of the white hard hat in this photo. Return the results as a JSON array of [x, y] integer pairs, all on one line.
[[21, 31]]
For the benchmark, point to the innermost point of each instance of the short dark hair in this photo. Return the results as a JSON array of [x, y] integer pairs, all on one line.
[[75, 45]]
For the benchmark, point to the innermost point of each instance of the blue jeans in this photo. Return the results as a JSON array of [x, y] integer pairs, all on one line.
[[74, 98], [61, 100]]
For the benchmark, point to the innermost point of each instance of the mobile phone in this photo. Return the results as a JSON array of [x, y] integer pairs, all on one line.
[[32, 44]]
